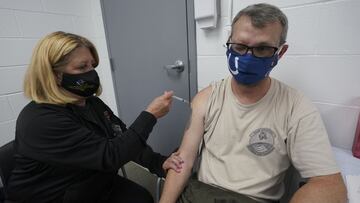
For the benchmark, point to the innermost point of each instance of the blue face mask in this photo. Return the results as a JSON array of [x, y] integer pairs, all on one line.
[[248, 69]]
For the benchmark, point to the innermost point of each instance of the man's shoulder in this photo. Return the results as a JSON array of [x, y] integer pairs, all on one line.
[[287, 91], [202, 95], [200, 100], [219, 85], [295, 99]]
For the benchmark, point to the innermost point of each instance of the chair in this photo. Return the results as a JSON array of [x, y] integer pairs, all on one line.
[[293, 182], [123, 171], [7, 163], [159, 182]]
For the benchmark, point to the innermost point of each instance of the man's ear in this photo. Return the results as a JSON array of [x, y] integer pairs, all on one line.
[[283, 50]]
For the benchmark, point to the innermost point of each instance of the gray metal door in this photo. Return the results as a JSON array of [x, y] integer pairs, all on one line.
[[146, 40]]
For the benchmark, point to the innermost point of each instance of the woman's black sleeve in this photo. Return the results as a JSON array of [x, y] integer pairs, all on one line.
[[152, 161], [57, 139], [147, 157]]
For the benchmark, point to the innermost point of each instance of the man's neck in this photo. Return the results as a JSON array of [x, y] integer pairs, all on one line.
[[250, 94]]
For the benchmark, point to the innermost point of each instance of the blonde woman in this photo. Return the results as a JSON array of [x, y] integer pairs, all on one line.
[[69, 144]]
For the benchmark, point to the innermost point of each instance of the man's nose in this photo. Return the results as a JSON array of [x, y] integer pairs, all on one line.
[[250, 50]]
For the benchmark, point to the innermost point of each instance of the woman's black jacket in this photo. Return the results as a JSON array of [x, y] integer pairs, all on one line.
[[62, 148]]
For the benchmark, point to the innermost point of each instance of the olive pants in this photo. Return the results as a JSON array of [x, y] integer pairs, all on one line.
[[199, 192]]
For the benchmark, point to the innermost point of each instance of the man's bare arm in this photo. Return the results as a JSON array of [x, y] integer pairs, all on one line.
[[175, 182], [322, 189]]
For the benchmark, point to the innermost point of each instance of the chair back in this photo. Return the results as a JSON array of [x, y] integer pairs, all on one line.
[[7, 161], [293, 181]]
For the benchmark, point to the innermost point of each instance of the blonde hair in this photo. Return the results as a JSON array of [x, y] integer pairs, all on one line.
[[50, 54]]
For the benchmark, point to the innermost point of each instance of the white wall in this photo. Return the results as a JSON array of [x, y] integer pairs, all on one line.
[[322, 61], [22, 24]]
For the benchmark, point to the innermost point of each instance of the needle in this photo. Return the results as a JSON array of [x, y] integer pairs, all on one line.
[[180, 99]]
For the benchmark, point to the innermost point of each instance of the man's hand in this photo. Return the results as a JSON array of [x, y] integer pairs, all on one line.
[[174, 161]]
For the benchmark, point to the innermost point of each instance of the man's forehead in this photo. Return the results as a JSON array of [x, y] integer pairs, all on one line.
[[244, 30]]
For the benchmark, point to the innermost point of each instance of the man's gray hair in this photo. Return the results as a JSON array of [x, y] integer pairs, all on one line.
[[262, 14]]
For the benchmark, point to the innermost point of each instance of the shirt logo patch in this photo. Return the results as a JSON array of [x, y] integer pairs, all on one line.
[[261, 141]]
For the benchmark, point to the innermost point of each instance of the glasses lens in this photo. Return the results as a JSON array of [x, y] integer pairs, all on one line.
[[239, 48], [264, 51]]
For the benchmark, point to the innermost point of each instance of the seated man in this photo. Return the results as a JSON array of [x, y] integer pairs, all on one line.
[[254, 127]]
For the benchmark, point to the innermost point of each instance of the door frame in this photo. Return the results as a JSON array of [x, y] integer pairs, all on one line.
[[191, 51]]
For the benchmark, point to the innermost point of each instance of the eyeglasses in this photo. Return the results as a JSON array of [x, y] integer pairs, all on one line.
[[260, 51]]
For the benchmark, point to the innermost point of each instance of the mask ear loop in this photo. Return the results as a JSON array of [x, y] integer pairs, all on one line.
[[58, 75], [278, 53], [282, 49], [224, 45]]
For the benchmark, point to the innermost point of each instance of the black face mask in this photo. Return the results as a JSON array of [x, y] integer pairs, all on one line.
[[83, 84]]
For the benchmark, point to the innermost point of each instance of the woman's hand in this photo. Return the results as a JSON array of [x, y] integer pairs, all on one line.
[[160, 106], [174, 161]]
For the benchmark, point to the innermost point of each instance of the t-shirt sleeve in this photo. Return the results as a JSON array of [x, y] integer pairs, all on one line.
[[308, 143]]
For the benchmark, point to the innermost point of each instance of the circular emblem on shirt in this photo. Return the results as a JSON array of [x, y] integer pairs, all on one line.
[[261, 141]]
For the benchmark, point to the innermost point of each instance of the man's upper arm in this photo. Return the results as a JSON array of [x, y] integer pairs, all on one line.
[[194, 131], [195, 127]]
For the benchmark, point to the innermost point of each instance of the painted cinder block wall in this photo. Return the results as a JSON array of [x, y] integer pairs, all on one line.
[[22, 24], [323, 59]]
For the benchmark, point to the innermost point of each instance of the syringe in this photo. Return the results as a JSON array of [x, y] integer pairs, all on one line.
[[180, 99]]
